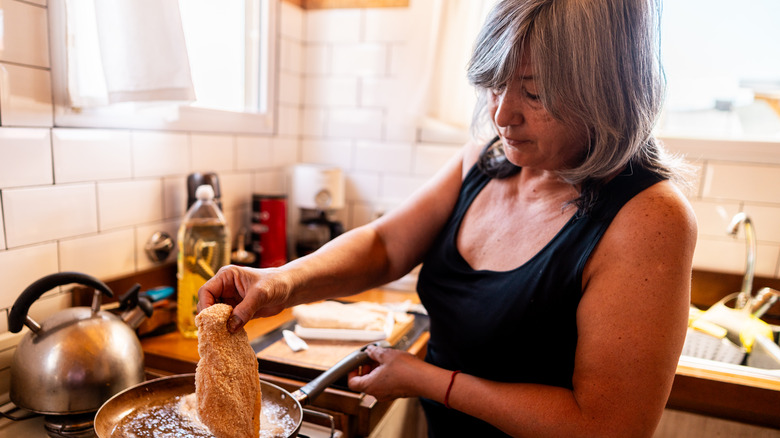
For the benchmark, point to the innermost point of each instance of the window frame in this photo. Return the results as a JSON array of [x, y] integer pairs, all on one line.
[[169, 117]]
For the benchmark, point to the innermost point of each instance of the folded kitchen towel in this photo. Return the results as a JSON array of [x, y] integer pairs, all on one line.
[[354, 316], [143, 50]]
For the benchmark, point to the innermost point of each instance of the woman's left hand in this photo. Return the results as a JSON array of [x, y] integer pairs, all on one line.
[[391, 376]]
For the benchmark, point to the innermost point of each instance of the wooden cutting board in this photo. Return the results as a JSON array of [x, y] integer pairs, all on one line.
[[323, 354]]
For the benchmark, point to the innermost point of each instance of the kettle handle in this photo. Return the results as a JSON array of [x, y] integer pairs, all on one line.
[[18, 314]]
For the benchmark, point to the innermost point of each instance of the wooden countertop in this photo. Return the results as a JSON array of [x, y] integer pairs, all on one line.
[[727, 392], [173, 353], [707, 390], [356, 414]]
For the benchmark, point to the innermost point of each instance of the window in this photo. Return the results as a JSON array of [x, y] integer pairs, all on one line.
[[230, 52], [722, 62]]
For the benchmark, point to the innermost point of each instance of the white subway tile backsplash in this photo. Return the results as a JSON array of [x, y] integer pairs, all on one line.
[[335, 152], [361, 123], [2, 226], [695, 179], [105, 255], [289, 120], [361, 214], [174, 197], [236, 191], [751, 183], [272, 182], [292, 18], [90, 154], [314, 122], [432, 131], [41, 214], [729, 256], [20, 267], [291, 56], [361, 186], [24, 33], [254, 153], [236, 220], [317, 59], [125, 203], [142, 235], [429, 158], [285, 151], [401, 128], [397, 188], [212, 153], [388, 25], [347, 85], [25, 157], [334, 25], [160, 153], [766, 221], [360, 59], [384, 157], [26, 96], [289, 88], [378, 92], [331, 91], [713, 217]]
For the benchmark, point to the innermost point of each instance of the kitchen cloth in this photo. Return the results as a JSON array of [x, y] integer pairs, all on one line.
[[352, 316], [143, 50]]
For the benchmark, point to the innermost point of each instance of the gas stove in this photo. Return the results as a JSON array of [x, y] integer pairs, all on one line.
[[40, 427]]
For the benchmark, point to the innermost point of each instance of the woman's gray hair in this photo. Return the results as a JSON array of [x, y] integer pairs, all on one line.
[[596, 64]]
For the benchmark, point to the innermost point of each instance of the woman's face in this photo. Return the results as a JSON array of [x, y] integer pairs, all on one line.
[[532, 137]]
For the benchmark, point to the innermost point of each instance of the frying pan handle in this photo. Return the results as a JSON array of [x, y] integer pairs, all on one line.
[[18, 314], [311, 390]]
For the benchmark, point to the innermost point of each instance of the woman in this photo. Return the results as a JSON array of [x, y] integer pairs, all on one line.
[[556, 260]]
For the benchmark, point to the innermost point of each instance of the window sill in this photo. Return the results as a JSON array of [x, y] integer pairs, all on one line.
[[746, 151], [168, 118]]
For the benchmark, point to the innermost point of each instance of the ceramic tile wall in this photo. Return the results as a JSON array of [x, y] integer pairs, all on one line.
[[87, 199], [349, 122], [355, 92], [725, 189]]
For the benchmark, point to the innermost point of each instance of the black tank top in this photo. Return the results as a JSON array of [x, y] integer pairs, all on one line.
[[517, 325]]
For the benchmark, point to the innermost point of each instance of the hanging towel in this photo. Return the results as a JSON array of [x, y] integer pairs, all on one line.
[[143, 50]]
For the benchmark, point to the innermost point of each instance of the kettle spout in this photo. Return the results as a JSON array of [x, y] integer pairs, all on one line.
[[135, 308]]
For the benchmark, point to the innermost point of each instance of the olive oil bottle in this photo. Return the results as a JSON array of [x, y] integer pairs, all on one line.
[[204, 247]]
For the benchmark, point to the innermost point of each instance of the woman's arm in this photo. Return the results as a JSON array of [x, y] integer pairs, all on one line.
[[365, 257], [631, 324]]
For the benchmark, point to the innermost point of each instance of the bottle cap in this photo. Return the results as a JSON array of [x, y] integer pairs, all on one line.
[[204, 192]]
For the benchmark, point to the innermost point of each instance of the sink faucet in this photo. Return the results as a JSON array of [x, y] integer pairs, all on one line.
[[765, 299], [746, 294]]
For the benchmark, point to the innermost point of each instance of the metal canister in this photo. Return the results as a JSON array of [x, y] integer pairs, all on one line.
[[269, 230]]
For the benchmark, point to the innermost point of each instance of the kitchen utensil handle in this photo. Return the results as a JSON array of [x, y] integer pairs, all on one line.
[[18, 314], [311, 390]]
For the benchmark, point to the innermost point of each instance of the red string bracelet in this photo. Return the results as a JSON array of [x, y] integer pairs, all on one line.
[[449, 388]]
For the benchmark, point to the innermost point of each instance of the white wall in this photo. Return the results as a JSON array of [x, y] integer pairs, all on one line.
[[87, 199]]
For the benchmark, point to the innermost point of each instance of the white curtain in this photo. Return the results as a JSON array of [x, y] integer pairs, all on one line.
[[126, 50], [444, 96]]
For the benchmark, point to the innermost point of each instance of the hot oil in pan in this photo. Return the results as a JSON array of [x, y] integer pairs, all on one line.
[[169, 421]]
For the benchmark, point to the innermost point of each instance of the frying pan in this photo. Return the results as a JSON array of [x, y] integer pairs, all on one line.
[[159, 391]]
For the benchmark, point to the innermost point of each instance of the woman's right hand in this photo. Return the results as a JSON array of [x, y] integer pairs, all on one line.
[[252, 293]]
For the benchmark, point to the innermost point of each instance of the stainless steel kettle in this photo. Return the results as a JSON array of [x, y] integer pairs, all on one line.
[[78, 358]]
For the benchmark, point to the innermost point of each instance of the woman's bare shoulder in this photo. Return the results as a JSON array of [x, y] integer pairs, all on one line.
[[662, 208], [658, 224]]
